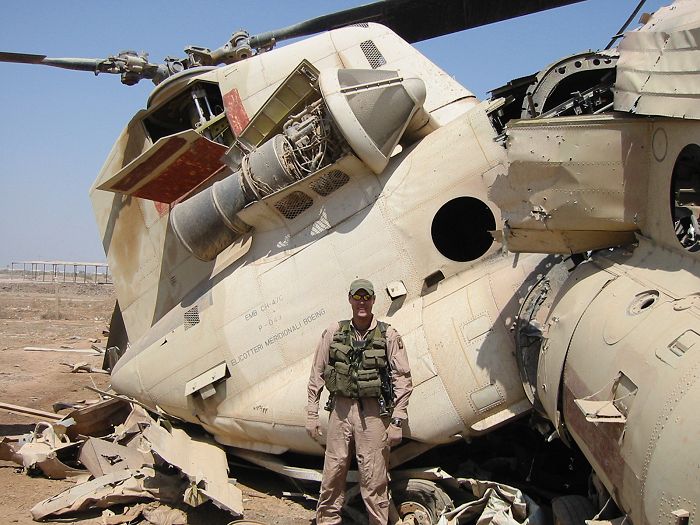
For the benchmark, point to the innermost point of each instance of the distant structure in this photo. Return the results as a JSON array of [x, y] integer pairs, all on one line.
[[63, 271]]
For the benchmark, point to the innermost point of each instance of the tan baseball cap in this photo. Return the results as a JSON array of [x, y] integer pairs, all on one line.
[[361, 284]]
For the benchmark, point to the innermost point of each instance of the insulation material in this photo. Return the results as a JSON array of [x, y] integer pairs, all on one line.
[[659, 68], [154, 513], [495, 504], [127, 516]]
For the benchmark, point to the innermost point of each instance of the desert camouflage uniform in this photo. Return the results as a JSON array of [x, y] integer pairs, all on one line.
[[358, 421]]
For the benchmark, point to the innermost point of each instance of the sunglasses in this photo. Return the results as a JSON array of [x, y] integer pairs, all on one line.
[[361, 297]]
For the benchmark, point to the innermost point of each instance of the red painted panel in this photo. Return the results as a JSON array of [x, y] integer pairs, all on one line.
[[235, 112], [201, 160], [152, 163]]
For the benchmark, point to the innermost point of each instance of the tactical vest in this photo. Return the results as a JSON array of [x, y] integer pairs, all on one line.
[[356, 368]]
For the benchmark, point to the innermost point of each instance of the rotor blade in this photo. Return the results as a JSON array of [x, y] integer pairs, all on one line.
[[416, 20], [78, 64], [374, 12], [21, 58]]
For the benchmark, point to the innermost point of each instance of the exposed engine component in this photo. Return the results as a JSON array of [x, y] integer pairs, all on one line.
[[201, 110], [199, 107], [579, 84], [366, 111], [207, 222], [313, 139]]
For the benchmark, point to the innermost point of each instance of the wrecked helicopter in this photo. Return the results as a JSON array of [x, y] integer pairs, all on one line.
[[231, 209]]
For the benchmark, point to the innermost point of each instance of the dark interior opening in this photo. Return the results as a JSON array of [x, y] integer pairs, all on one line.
[[685, 197], [190, 109], [460, 229]]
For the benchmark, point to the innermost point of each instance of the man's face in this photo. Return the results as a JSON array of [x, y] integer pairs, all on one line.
[[362, 302]]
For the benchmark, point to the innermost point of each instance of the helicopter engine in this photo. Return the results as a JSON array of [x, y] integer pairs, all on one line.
[[344, 120], [207, 223]]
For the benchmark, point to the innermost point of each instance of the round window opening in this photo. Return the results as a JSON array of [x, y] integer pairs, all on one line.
[[685, 197], [460, 229]]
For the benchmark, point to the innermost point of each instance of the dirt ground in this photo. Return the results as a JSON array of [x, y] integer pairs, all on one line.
[[74, 316]]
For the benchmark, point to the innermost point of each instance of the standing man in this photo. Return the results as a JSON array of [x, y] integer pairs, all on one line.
[[363, 364]]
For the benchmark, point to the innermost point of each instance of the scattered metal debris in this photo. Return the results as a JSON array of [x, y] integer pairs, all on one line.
[[30, 412], [92, 351], [120, 454], [122, 486], [62, 405], [85, 367]]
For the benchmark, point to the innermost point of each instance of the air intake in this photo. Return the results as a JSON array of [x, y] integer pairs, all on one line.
[[373, 108]]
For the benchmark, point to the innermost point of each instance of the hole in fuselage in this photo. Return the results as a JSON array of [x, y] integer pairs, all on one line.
[[685, 197], [460, 229]]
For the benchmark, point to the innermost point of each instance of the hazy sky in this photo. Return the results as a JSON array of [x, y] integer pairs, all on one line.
[[58, 126]]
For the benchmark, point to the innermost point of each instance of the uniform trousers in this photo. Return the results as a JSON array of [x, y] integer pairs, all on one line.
[[355, 422]]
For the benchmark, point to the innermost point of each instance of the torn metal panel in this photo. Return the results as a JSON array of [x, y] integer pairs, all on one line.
[[102, 457], [273, 463], [118, 487], [34, 453], [600, 411], [132, 425], [54, 468], [44, 449], [203, 462], [659, 68], [8, 451], [154, 513], [583, 187], [98, 419]]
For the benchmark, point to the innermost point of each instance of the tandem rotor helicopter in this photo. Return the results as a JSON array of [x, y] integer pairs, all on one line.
[[260, 180]]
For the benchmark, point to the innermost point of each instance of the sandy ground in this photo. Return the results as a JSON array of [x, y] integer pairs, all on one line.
[[75, 315]]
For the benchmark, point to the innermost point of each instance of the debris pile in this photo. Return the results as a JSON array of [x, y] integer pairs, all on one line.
[[118, 454]]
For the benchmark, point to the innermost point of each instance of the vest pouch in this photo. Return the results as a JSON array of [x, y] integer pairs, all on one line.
[[374, 358], [330, 378], [379, 343], [369, 383], [344, 384], [340, 352]]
